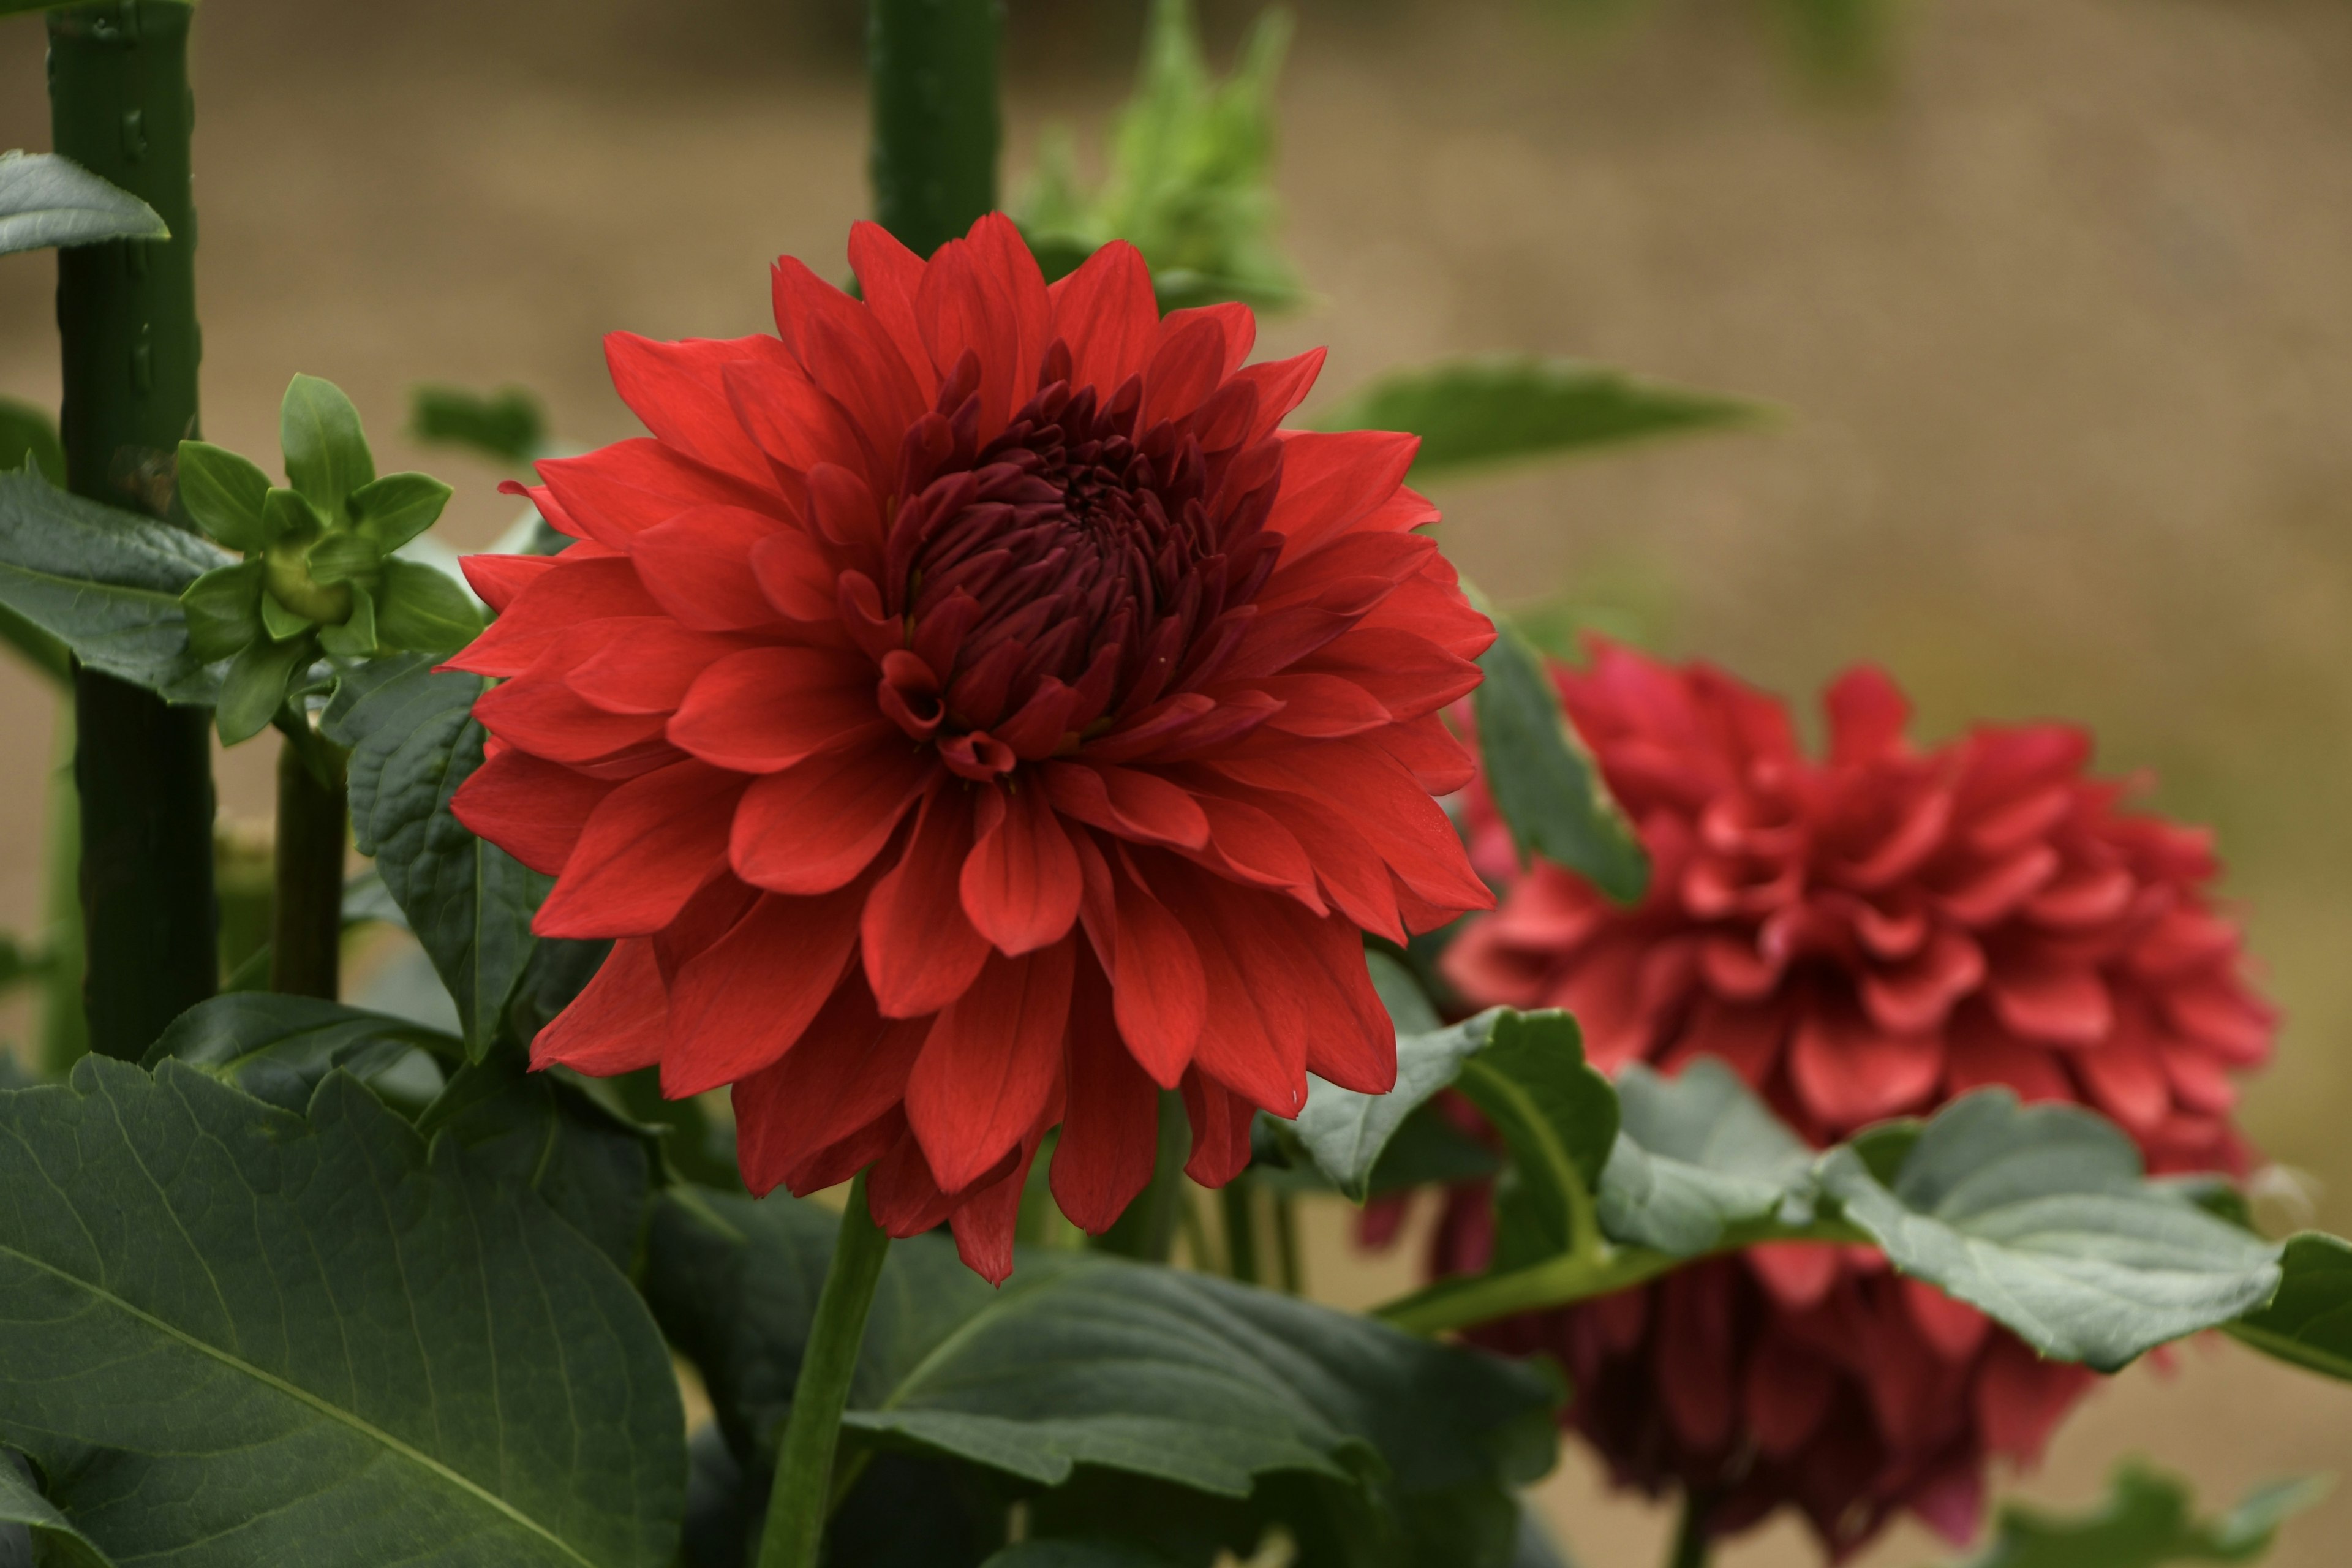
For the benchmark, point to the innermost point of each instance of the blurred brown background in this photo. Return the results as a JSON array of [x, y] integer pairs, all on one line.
[[2060, 312]]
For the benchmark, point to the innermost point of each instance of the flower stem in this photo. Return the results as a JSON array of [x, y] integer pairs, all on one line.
[[119, 105], [936, 122], [1235, 1200], [306, 917], [803, 1490], [1692, 1546], [1290, 1274]]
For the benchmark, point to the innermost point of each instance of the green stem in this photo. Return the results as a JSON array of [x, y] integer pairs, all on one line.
[[936, 120], [65, 1031], [803, 1494], [306, 917], [1147, 1231], [119, 105], [1692, 1546], [1236, 1201], [1291, 1276]]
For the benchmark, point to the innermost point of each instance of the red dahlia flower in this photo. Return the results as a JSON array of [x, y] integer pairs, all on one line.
[[1859, 937], [972, 713]]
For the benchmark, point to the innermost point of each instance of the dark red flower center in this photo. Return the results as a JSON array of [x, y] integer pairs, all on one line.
[[1077, 567]]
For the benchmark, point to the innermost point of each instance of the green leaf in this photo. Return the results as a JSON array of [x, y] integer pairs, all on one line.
[[56, 1539], [412, 741], [254, 688], [299, 1328], [327, 454], [1083, 1364], [2309, 1322], [343, 554], [29, 435], [288, 514], [106, 582], [355, 638], [1190, 172], [536, 1130], [224, 493], [48, 201], [1347, 1132], [421, 609], [1559, 1118], [1506, 408], [506, 425], [1698, 1154], [1077, 1554], [278, 1049], [2039, 1216], [1540, 777], [224, 610], [396, 508], [2145, 1522]]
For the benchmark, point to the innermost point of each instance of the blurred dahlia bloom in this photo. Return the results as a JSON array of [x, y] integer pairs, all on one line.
[[972, 713], [1861, 936]]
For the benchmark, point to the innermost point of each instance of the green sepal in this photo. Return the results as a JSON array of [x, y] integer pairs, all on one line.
[[255, 686], [420, 609], [225, 494], [281, 623], [224, 609], [287, 514], [396, 508], [343, 556], [327, 454], [355, 638]]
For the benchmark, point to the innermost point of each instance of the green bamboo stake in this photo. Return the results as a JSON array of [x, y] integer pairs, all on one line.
[[937, 128], [306, 914], [119, 105]]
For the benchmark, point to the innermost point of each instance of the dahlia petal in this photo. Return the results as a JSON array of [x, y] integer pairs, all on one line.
[[1996, 890], [888, 276], [1695, 1385], [1799, 1274], [1353, 879], [1404, 826], [1268, 989], [1406, 673], [2020, 1397], [1746, 1038], [795, 424], [845, 1073], [2200, 1079], [1020, 886], [539, 712], [678, 390], [765, 709], [1161, 993], [2066, 1006], [2125, 1078], [549, 606], [819, 823], [843, 507], [1011, 267], [1787, 1395], [618, 1023], [2218, 1012], [647, 847], [2082, 897], [959, 313], [985, 1219], [1110, 1120], [1250, 846], [1281, 386], [1127, 803], [1438, 763], [2180, 941], [902, 1196], [1187, 363], [744, 1001], [646, 664], [838, 1161], [920, 952], [990, 1064], [1978, 1052], [698, 566], [1848, 1072], [794, 576], [617, 493], [1330, 482], [1868, 713], [1107, 314], [1221, 1130], [531, 808], [496, 579], [1915, 998], [860, 368], [1953, 1329], [1915, 833], [1322, 705]]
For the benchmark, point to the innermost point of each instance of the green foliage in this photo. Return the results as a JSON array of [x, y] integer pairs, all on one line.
[[319, 576], [55, 1538], [413, 739], [48, 201], [278, 1048], [300, 1328], [106, 583], [1097, 1380], [1700, 1155], [2144, 1522], [1502, 408], [1540, 777], [29, 439], [2309, 1323], [1189, 174], [507, 425]]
